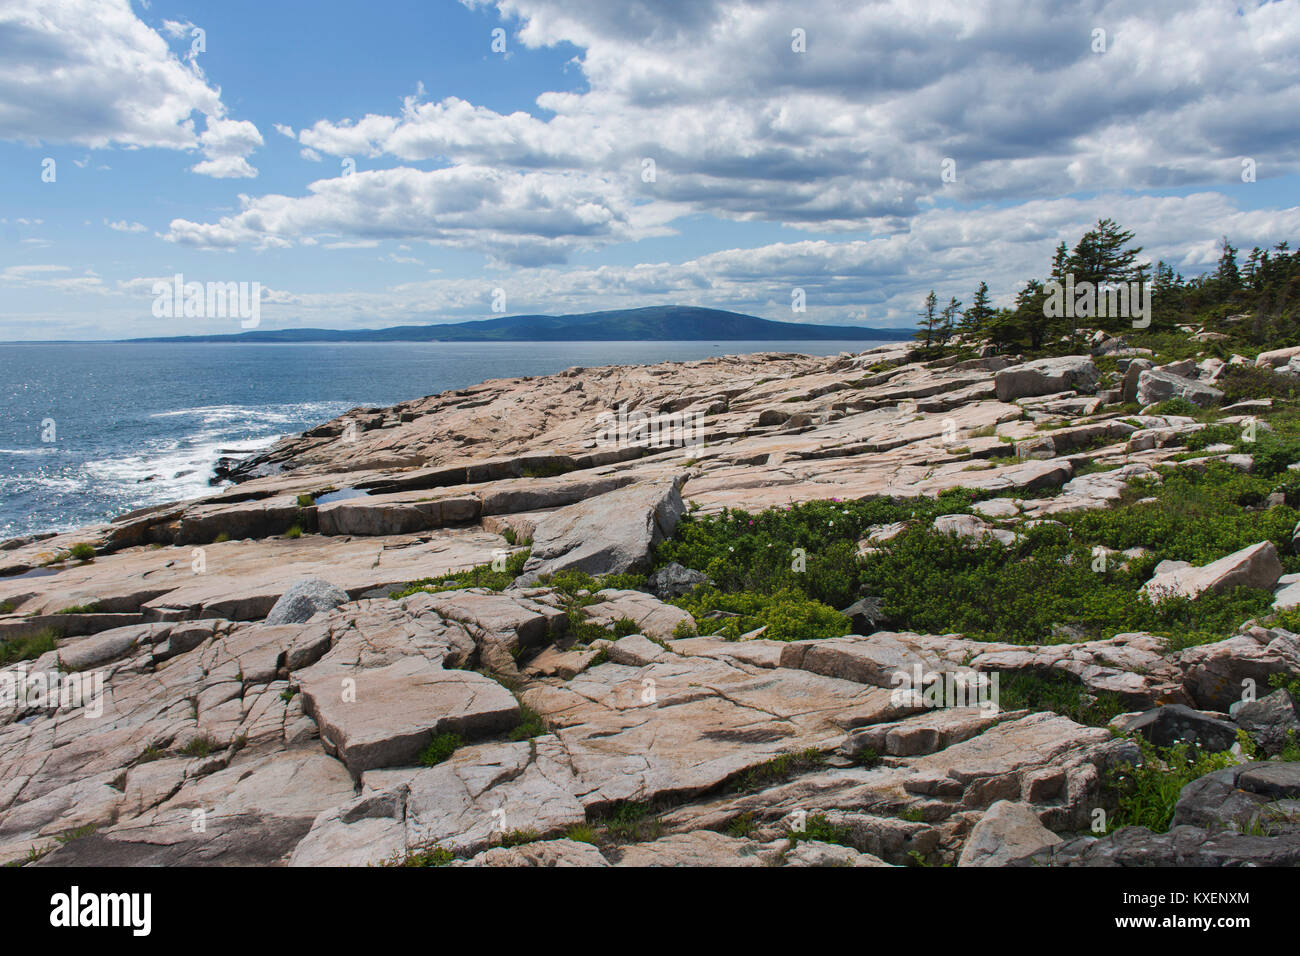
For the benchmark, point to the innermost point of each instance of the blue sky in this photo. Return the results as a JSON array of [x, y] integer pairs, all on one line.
[[522, 170]]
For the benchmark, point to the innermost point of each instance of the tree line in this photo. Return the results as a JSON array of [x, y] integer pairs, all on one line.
[[1263, 288]]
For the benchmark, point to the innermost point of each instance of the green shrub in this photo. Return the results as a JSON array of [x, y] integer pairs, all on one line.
[[518, 838], [530, 724], [788, 614], [1176, 406], [431, 856], [1059, 693], [27, 648], [200, 746], [479, 576], [79, 609], [1148, 792], [818, 827], [581, 833], [1245, 382], [82, 551], [440, 748]]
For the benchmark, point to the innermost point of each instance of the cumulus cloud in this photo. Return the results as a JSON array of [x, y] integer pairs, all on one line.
[[1015, 98], [878, 281], [890, 109], [226, 143], [519, 218], [90, 72]]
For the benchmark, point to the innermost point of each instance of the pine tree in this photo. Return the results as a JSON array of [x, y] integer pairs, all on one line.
[[975, 321], [1227, 275], [1101, 256], [1060, 262], [948, 320], [929, 320], [1030, 314]]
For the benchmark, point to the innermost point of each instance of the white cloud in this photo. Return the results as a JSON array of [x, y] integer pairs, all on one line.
[[520, 218], [226, 143], [89, 72], [124, 226], [856, 128], [878, 281]]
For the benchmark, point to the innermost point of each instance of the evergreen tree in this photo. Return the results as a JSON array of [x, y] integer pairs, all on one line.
[[1030, 314], [1227, 275], [1060, 262], [948, 320], [929, 316], [1101, 256], [975, 321]]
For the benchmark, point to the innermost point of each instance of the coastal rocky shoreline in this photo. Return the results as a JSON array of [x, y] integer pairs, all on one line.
[[280, 675]]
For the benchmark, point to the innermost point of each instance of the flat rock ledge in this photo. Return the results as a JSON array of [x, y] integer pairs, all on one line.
[[245, 658]]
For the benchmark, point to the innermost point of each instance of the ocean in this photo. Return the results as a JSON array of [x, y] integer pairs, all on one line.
[[92, 430]]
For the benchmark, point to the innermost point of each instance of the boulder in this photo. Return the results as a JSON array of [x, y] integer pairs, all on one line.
[[673, 580], [1157, 385], [1272, 721], [305, 598], [865, 614], [976, 529], [1174, 724], [1257, 566], [1182, 846], [652, 616], [1276, 357], [1007, 830], [1216, 675], [1046, 377], [612, 533], [542, 853], [1129, 385]]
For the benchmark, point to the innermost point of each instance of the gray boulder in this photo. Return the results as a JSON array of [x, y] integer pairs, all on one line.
[[1129, 386], [673, 580], [1241, 798], [1271, 721], [864, 614], [1174, 723], [1046, 377], [1006, 832], [305, 598], [1157, 385], [1181, 846], [612, 533]]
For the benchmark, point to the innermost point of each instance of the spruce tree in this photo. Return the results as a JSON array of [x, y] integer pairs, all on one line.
[[929, 324], [975, 321]]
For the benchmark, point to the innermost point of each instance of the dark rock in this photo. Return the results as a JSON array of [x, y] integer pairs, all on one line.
[[673, 580], [865, 614], [1181, 846], [1173, 723], [1240, 798], [1271, 721]]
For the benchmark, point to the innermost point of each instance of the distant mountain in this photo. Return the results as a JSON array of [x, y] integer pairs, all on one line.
[[656, 323]]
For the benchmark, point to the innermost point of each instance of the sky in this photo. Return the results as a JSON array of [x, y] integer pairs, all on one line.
[[386, 163]]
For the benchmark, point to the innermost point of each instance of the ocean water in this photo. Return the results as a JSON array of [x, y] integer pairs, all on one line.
[[91, 430]]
